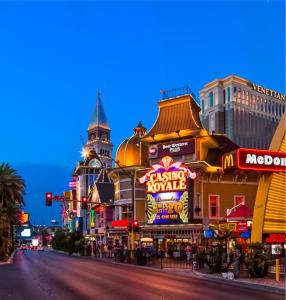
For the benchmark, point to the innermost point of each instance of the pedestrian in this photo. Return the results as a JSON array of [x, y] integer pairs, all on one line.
[[188, 251], [237, 257], [109, 248]]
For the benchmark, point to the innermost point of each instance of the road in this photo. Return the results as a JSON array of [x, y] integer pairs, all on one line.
[[48, 275]]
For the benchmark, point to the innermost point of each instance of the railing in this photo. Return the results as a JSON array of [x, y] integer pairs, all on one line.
[[177, 92]]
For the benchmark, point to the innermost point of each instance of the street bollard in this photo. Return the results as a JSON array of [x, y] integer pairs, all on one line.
[[277, 271]]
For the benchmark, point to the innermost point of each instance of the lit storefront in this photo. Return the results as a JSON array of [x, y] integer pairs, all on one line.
[[203, 202]]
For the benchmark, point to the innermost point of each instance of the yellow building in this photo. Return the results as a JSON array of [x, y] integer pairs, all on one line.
[[269, 216]]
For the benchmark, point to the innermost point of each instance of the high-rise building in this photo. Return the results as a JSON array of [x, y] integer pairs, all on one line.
[[245, 112], [99, 134]]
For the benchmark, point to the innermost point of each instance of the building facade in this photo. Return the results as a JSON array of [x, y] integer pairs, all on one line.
[[245, 112], [180, 210]]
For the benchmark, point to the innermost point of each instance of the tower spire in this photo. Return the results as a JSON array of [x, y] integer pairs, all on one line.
[[98, 117]]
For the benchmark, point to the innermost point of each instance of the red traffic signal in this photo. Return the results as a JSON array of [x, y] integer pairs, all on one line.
[[49, 199], [135, 225], [84, 202]]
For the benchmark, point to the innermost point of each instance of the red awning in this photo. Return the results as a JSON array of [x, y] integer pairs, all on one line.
[[242, 212]]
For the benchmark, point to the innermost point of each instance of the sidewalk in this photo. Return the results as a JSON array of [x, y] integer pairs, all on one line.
[[9, 260], [267, 283]]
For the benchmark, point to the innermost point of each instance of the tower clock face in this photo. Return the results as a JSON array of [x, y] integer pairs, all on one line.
[[95, 163]]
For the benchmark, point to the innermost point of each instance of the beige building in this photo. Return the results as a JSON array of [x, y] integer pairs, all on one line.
[[245, 112]]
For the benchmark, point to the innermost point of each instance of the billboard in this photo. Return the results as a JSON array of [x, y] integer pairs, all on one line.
[[167, 194], [26, 232]]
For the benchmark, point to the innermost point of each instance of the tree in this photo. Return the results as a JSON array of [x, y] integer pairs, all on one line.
[[12, 190]]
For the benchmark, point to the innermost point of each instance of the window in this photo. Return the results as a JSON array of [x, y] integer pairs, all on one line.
[[224, 96], [211, 99], [203, 105], [213, 206], [239, 199]]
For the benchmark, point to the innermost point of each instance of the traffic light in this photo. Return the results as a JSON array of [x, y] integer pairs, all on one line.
[[136, 226], [129, 226], [49, 199], [84, 202]]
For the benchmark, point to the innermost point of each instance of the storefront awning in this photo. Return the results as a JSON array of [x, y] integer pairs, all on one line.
[[242, 212]]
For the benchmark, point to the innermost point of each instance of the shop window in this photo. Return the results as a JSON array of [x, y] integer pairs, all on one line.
[[238, 199], [213, 206]]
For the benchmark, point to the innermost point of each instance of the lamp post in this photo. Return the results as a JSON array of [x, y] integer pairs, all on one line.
[[132, 182]]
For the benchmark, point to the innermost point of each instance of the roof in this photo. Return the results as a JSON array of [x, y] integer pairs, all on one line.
[[242, 212], [178, 117], [225, 146], [130, 152], [105, 192], [98, 117]]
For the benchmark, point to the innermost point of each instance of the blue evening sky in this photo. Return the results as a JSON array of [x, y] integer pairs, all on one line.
[[55, 56]]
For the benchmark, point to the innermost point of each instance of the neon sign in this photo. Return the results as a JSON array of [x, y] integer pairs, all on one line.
[[254, 159], [167, 195], [92, 225]]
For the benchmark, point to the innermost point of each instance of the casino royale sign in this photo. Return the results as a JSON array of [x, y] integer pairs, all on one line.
[[167, 195], [254, 159], [166, 181]]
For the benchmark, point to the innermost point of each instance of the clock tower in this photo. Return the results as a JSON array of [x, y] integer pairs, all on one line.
[[99, 134]]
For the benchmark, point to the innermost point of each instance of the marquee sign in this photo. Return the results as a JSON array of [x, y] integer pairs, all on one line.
[[175, 148], [254, 159], [167, 195], [268, 92]]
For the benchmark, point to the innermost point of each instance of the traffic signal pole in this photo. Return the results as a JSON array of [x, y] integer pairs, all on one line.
[[133, 214]]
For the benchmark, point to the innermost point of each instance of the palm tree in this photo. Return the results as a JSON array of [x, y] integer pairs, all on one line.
[[12, 190]]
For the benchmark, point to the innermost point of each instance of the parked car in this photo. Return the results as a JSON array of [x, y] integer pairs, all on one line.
[[35, 248], [41, 248]]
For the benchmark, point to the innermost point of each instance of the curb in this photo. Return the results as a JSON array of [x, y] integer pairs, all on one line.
[[61, 252], [239, 283]]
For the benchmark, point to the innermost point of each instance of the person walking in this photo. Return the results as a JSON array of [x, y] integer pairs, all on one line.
[[188, 251]]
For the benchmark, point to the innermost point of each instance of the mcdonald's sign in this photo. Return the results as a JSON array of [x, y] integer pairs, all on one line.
[[255, 159], [229, 160]]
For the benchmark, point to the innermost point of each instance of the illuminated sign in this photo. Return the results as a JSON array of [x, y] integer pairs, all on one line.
[[275, 238], [167, 195], [228, 161], [254, 159], [26, 232], [227, 226], [268, 92], [179, 148], [92, 225], [120, 223], [24, 217], [72, 184]]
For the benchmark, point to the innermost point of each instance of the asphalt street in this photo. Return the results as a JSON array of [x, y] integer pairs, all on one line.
[[49, 275]]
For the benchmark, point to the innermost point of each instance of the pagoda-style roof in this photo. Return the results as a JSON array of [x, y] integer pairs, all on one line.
[[178, 117], [98, 118]]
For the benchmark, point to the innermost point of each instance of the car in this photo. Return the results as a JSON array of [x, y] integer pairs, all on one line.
[[35, 248], [41, 248], [24, 247]]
